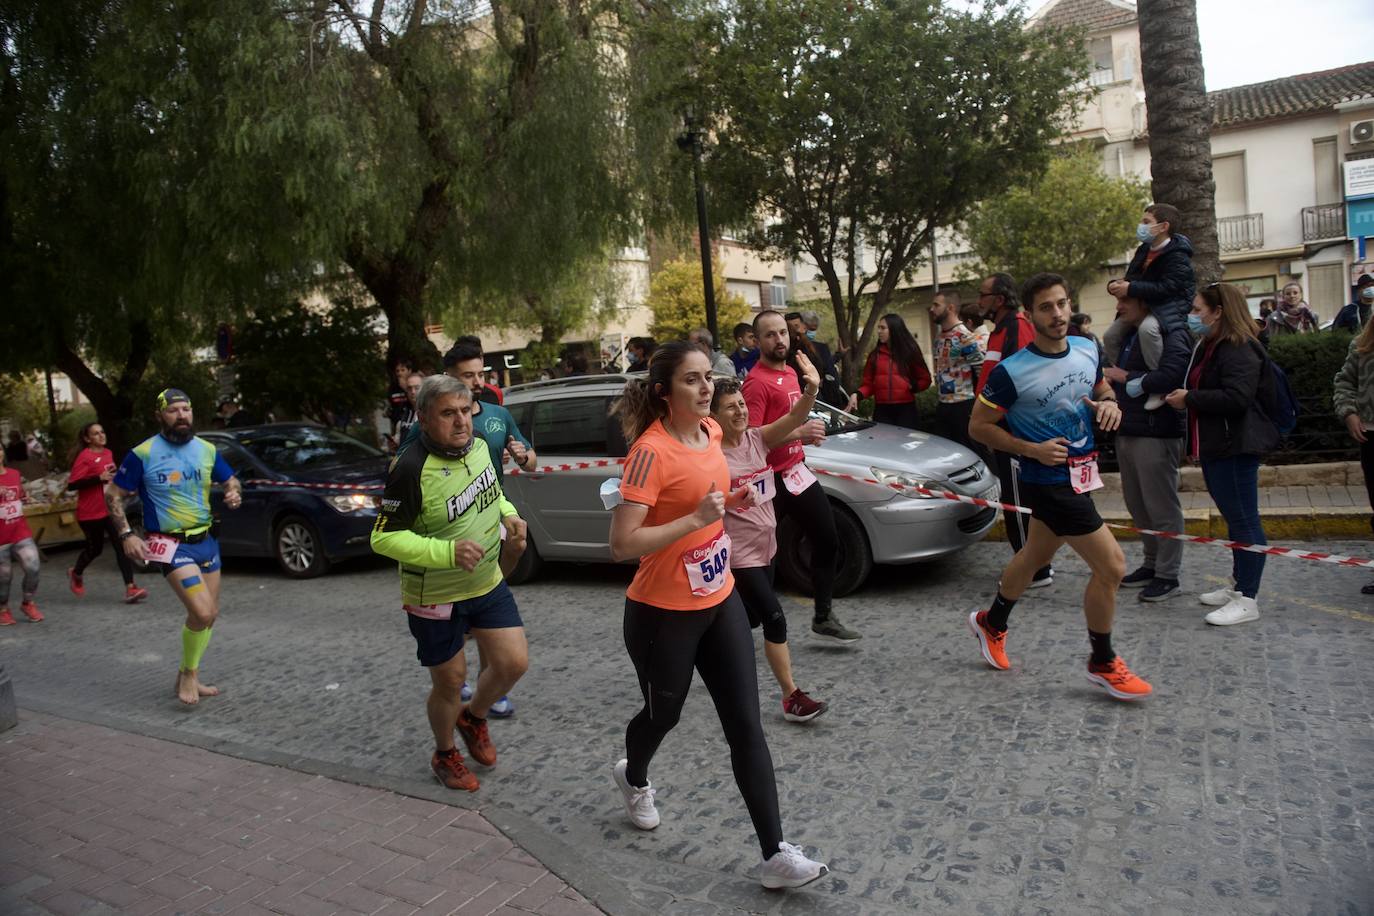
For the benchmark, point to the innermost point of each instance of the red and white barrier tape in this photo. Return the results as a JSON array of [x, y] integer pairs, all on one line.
[[1266, 549]]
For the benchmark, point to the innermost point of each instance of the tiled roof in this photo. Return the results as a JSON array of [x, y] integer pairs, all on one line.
[[1291, 95], [1089, 15]]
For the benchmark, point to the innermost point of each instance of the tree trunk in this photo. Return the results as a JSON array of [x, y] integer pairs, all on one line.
[[114, 407], [1180, 124], [398, 287]]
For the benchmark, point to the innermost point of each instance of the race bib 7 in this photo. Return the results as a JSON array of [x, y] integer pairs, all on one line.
[[1083, 474], [761, 482], [161, 548], [708, 565]]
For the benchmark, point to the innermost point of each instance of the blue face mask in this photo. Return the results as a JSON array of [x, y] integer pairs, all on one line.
[[1142, 232], [1196, 326]]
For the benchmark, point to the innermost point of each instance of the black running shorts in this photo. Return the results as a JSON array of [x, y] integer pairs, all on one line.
[[1066, 513]]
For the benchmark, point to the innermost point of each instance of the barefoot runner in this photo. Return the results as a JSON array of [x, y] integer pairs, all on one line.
[[1046, 394], [752, 529], [681, 610], [172, 473]]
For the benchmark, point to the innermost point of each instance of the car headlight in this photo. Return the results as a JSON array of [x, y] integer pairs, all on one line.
[[906, 479], [353, 502]]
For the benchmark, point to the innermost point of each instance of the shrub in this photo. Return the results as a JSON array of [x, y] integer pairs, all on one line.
[[1311, 361]]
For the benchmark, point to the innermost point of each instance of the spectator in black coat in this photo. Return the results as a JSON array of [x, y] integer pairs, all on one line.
[[1161, 276], [1353, 316]]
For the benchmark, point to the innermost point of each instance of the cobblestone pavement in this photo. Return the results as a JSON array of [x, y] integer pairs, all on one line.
[[1241, 787], [100, 821]]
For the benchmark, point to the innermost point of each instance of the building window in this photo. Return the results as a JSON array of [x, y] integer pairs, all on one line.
[[777, 293], [1326, 168], [1100, 49], [1229, 174]]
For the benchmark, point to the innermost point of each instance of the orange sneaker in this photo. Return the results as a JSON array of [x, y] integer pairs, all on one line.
[[30, 610], [475, 736], [133, 594], [992, 643], [451, 772], [74, 581], [6, 618], [1115, 678]]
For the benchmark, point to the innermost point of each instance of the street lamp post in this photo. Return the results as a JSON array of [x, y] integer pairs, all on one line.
[[691, 140]]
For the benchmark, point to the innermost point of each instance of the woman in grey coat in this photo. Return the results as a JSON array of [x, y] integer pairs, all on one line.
[[1353, 398]]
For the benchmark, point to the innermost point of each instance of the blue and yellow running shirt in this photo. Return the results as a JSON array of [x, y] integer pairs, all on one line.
[[1041, 394], [173, 482]]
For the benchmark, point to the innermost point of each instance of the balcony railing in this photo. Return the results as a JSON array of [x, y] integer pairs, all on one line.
[[1241, 233], [1324, 221]]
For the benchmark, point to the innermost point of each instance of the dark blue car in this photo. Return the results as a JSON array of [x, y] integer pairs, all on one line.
[[304, 529]]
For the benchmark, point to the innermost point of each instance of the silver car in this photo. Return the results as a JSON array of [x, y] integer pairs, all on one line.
[[568, 421]]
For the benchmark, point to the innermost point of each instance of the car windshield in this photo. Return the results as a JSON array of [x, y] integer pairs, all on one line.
[[836, 420], [306, 447]]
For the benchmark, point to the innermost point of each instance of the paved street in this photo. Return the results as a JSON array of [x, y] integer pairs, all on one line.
[[1242, 786]]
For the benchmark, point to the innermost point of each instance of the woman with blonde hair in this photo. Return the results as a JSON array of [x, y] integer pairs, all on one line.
[[1353, 399], [1228, 434]]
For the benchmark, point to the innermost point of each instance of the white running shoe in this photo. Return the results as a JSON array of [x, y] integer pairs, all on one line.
[[639, 803], [1239, 609], [1218, 598], [789, 867]]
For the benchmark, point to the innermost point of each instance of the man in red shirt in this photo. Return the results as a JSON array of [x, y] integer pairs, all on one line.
[[1011, 331], [770, 390]]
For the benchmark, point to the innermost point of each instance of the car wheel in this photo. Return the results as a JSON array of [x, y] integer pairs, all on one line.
[[299, 551], [853, 565], [529, 565]]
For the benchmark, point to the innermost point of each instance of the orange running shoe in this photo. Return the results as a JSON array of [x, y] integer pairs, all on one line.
[[1115, 678], [993, 644], [450, 770], [30, 610], [74, 581], [475, 736], [133, 594], [6, 618]]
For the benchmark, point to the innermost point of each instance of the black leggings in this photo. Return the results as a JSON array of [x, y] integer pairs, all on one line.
[[754, 584], [665, 646], [897, 414], [811, 513], [1367, 465], [96, 531]]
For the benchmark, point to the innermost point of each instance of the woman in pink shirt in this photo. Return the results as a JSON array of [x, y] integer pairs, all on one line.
[[752, 528], [92, 468], [16, 546]]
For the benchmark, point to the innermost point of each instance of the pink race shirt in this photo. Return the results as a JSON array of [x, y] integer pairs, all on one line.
[[90, 501], [11, 504], [770, 394], [753, 531]]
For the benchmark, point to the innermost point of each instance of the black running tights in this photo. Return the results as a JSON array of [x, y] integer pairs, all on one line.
[[96, 531], [665, 646], [810, 511]]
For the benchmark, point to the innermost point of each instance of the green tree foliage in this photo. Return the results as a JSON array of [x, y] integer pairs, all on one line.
[[678, 302], [1311, 362], [855, 130], [308, 361], [24, 402], [1069, 220], [108, 264]]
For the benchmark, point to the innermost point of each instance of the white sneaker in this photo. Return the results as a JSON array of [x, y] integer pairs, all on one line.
[[639, 803], [789, 867], [1154, 402], [1221, 596], [1239, 609]]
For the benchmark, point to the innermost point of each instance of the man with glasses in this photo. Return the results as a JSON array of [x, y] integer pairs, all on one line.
[[1011, 331]]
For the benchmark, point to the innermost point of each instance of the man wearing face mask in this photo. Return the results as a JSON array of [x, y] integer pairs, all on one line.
[[1161, 276], [1353, 316]]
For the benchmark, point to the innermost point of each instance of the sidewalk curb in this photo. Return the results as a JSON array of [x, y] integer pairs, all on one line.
[[571, 866], [1342, 523]]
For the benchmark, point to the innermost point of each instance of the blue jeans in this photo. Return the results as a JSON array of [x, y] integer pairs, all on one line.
[[1234, 485]]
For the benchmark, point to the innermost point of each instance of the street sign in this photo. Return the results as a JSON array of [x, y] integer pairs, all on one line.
[[1359, 218], [1359, 178]]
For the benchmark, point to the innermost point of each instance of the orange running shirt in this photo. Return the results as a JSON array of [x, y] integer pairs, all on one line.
[[671, 479]]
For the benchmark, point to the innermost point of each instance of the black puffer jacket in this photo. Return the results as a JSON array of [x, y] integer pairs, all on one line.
[[1226, 401], [1167, 286], [1165, 422]]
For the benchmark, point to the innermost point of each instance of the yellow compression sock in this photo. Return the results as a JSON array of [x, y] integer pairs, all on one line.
[[193, 643]]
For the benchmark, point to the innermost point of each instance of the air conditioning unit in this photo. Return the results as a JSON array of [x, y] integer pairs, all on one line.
[[1362, 131]]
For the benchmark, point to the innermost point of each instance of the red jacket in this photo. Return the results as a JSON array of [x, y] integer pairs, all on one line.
[[886, 384]]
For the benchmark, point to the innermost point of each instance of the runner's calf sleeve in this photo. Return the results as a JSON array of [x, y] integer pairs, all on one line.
[[193, 643]]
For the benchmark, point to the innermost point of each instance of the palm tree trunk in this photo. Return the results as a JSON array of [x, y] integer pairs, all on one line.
[[1180, 124]]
